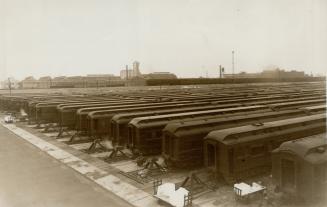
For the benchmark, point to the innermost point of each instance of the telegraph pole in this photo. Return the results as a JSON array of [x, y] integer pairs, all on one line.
[[9, 85], [233, 63]]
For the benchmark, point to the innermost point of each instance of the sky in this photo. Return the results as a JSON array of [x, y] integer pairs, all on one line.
[[190, 38]]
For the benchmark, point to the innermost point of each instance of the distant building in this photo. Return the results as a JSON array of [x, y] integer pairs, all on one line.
[[271, 73], [278, 73], [126, 74], [242, 75], [44, 82], [160, 75], [29, 82], [131, 73], [100, 75]]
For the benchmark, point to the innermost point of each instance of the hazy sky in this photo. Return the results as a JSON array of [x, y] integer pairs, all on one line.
[[187, 37]]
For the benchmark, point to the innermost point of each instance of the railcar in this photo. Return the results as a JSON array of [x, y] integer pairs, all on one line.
[[147, 130], [145, 133], [100, 125], [119, 122], [299, 168], [99, 119], [98, 122], [81, 114], [242, 152], [47, 112], [182, 142], [67, 113], [297, 104]]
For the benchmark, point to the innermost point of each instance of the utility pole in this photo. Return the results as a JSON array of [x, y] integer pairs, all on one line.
[[126, 68], [233, 64], [9, 85], [221, 71]]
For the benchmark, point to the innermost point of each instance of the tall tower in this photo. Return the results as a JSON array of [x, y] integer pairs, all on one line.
[[136, 69]]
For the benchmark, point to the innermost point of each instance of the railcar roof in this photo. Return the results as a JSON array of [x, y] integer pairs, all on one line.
[[299, 102], [157, 112], [142, 105], [225, 135], [312, 149], [197, 124], [88, 105], [149, 118], [315, 107]]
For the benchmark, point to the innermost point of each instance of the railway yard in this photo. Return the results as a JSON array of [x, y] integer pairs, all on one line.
[[213, 141]]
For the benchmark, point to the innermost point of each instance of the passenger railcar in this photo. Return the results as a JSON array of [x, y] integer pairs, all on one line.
[[67, 112], [299, 167], [241, 152], [182, 142], [145, 133], [81, 114]]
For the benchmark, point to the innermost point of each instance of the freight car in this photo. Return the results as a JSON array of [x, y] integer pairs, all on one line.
[[182, 142], [299, 167], [242, 152]]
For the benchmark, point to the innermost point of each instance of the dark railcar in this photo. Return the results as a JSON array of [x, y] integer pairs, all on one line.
[[182, 142], [241, 152], [299, 167], [145, 133]]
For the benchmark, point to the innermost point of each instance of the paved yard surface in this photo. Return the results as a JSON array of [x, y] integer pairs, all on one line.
[[31, 178]]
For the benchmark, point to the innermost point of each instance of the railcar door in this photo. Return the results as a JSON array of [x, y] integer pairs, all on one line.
[[288, 174], [211, 155]]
